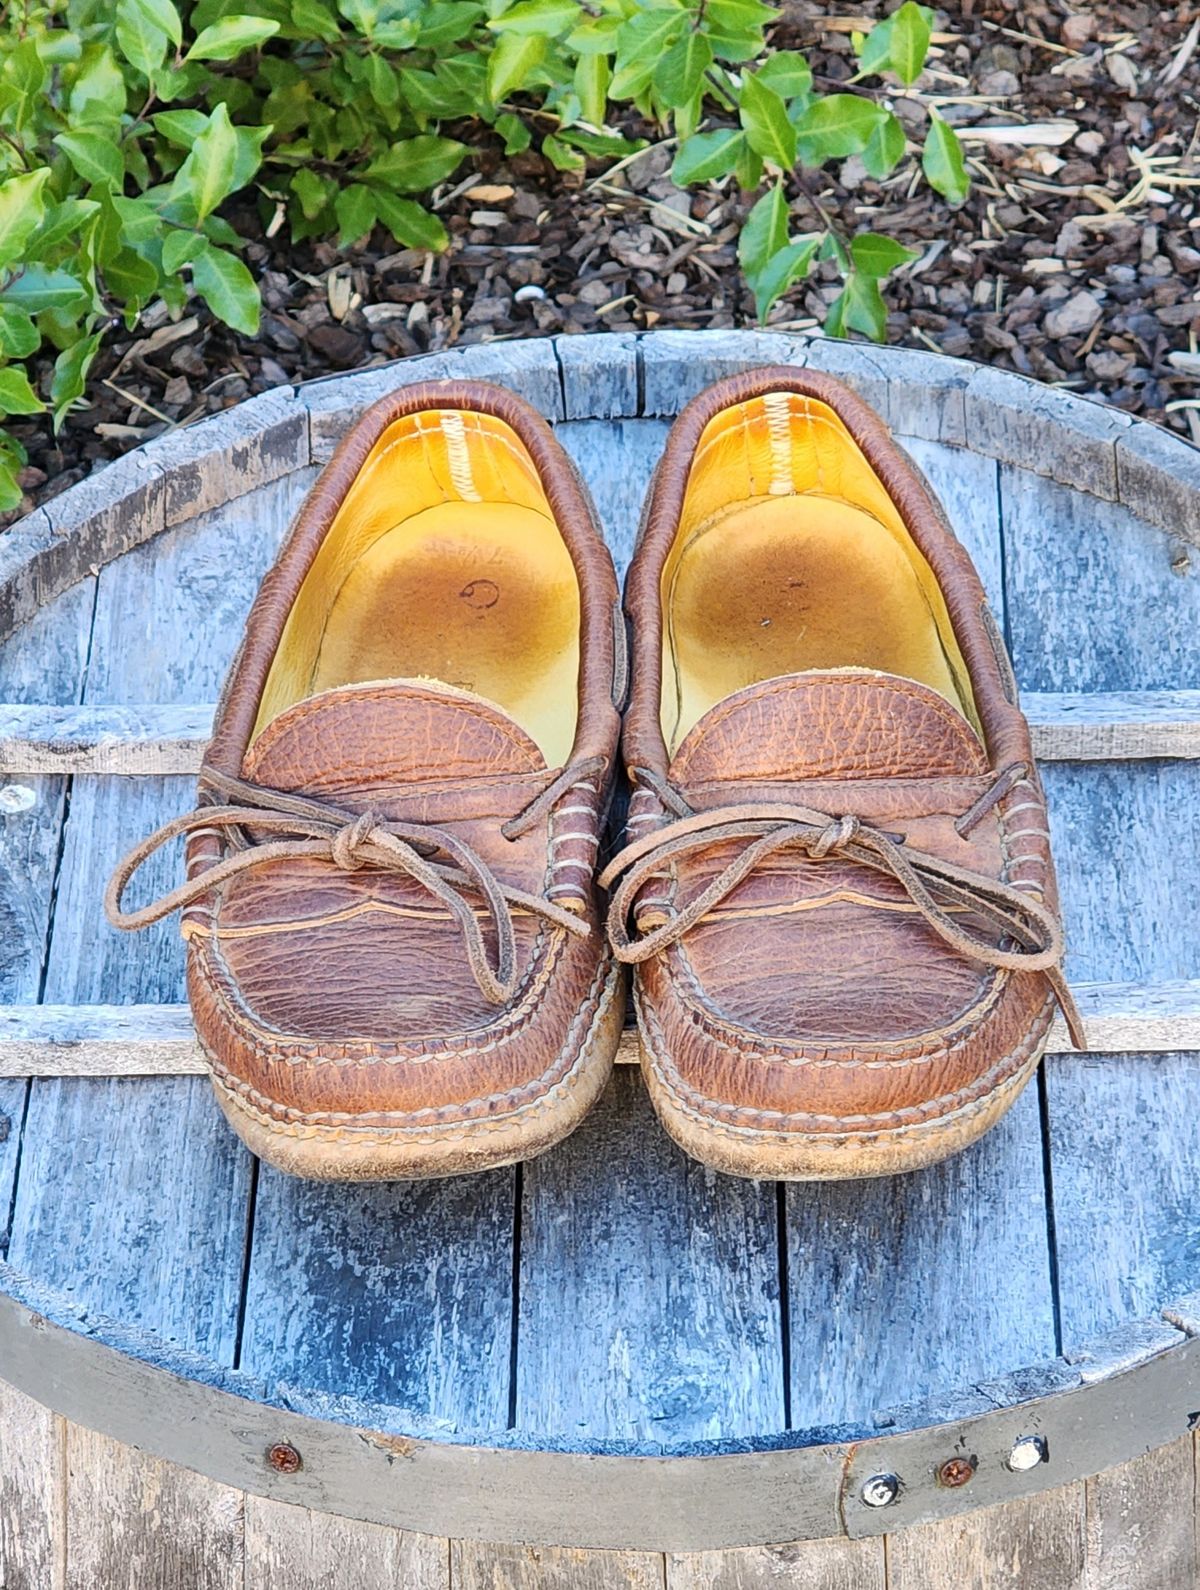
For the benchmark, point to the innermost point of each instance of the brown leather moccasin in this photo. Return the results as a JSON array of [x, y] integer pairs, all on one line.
[[395, 960], [836, 886]]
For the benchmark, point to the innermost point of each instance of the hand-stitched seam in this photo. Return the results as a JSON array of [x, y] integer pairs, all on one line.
[[600, 996], [992, 1079], [741, 1041]]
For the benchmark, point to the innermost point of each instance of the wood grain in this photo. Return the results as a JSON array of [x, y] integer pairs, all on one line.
[[616, 458], [806, 1565], [481, 1565], [33, 1494], [292, 1548], [1034, 1544], [1141, 1523], [968, 487], [905, 1287], [398, 1294], [649, 1288], [134, 1521]]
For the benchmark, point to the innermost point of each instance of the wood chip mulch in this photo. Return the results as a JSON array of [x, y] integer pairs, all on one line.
[[1076, 259]]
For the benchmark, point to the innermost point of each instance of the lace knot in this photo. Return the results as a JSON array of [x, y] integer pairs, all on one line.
[[839, 832], [346, 844]]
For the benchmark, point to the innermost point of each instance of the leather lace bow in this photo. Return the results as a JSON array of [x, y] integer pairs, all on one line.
[[303, 827], [1031, 936]]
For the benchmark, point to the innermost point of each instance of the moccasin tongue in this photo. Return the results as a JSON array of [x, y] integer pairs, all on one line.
[[389, 734], [839, 724]]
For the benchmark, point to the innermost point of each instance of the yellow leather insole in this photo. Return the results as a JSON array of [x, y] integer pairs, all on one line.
[[443, 562], [791, 556]]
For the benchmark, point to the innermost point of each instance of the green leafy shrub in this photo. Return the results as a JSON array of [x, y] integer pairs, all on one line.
[[124, 127]]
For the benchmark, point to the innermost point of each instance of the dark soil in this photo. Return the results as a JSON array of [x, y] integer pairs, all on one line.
[[1076, 259]]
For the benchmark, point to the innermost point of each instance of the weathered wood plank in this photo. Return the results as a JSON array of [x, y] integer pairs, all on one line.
[[616, 458], [806, 1565], [1158, 477], [134, 1521], [599, 376], [157, 1040], [1046, 432], [1034, 1544], [397, 1294], [529, 368], [1141, 1523], [481, 1565], [1098, 600], [33, 1494], [649, 1288], [904, 1287], [968, 486], [164, 1250], [676, 365], [292, 1548], [1133, 725]]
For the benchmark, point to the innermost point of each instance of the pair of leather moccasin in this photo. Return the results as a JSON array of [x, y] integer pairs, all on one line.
[[834, 883]]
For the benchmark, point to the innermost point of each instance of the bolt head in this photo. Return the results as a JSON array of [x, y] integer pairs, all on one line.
[[1028, 1451], [881, 1490], [956, 1471], [284, 1458]]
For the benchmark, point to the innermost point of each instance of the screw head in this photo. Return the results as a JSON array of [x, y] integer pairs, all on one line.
[[16, 798], [881, 1490], [284, 1458], [1028, 1451], [956, 1471]]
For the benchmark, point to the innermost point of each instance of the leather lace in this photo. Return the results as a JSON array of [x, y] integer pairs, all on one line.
[[443, 864], [1031, 935]]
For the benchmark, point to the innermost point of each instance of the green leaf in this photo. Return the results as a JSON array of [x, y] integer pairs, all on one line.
[[98, 91], [37, 289], [159, 14], [385, 86], [749, 168], [788, 73], [95, 157], [592, 77], [207, 176], [19, 337], [765, 119], [180, 246], [680, 72], [545, 18], [228, 289], [21, 209], [641, 43], [706, 156], [130, 277], [739, 16], [16, 394], [11, 495], [446, 23], [62, 221], [859, 307], [899, 44], [231, 37], [942, 161], [142, 44], [596, 36], [836, 126], [764, 231], [561, 155], [410, 223], [360, 14], [512, 63], [180, 127], [885, 148], [417, 164], [513, 130], [782, 270], [877, 256], [355, 210], [313, 19], [313, 192], [70, 375]]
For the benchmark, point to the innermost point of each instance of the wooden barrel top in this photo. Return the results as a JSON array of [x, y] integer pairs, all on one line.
[[608, 1346]]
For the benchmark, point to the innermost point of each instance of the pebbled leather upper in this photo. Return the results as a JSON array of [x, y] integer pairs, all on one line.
[[340, 996], [814, 997]]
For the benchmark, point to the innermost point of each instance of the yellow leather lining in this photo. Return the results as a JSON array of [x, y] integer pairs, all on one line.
[[443, 562], [791, 556]]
